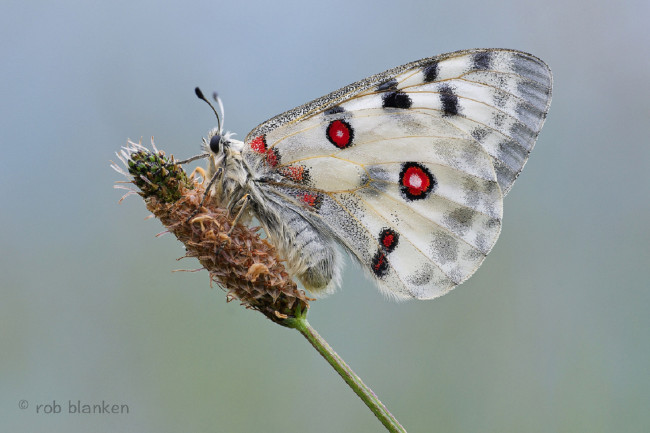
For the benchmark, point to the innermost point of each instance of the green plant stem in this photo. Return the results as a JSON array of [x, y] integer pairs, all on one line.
[[354, 381]]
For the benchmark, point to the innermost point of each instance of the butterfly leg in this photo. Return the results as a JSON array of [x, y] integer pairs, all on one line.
[[194, 158], [216, 175], [198, 170], [242, 202]]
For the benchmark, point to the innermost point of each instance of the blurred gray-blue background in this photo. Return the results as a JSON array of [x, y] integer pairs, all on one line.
[[552, 334]]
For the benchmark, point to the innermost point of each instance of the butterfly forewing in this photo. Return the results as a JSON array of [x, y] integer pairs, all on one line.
[[407, 169]]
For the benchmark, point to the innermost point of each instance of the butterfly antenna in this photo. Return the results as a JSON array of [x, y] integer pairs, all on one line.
[[217, 99], [199, 94]]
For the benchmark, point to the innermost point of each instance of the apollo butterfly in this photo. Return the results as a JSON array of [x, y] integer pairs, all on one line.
[[405, 170]]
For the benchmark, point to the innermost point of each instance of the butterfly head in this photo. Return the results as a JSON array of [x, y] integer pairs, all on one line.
[[216, 146], [221, 145]]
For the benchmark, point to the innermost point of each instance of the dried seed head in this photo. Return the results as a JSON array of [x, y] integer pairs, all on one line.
[[245, 265]]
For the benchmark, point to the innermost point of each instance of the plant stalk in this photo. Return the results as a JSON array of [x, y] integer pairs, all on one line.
[[369, 398]]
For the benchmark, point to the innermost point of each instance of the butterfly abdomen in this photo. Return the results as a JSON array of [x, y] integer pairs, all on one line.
[[302, 239]]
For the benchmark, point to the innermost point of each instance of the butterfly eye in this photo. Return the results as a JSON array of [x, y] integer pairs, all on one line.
[[215, 143]]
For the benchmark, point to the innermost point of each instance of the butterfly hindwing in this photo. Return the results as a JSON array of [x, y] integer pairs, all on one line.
[[407, 169]]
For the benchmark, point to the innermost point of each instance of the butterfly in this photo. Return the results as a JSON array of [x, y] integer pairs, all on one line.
[[404, 171]]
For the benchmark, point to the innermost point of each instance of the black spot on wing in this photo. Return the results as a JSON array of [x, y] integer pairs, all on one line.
[[430, 72], [482, 60], [379, 265], [388, 239], [335, 110], [449, 100], [396, 100], [387, 85]]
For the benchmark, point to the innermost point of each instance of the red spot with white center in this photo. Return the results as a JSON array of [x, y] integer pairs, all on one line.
[[340, 133], [259, 144], [416, 181]]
